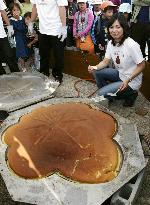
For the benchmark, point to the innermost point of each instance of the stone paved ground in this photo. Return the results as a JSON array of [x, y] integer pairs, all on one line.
[[139, 114]]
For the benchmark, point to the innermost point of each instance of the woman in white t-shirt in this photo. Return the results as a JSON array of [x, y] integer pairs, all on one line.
[[126, 77]]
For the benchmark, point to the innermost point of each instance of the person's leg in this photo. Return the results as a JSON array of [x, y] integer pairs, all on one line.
[[128, 95], [36, 58], [2, 57], [8, 52], [2, 71], [138, 36], [44, 50], [106, 75], [58, 51], [21, 63], [110, 88], [69, 39]]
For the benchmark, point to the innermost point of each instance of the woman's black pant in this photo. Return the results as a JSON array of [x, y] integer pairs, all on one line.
[[9, 57]]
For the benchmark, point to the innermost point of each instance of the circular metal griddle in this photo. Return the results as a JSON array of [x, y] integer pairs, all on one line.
[[54, 189]]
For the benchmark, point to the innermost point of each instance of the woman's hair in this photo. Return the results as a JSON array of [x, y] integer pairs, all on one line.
[[123, 23]]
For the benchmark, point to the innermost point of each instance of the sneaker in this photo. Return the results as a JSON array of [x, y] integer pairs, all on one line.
[[75, 48], [98, 99], [4, 64]]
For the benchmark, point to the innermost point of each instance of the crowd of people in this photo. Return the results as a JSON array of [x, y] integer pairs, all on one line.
[[117, 31]]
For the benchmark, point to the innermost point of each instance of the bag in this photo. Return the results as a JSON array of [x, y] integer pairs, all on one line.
[[85, 44]]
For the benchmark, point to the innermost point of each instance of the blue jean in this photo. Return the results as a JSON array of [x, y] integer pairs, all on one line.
[[107, 80]]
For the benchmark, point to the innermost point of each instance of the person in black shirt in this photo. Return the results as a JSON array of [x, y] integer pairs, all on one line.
[[70, 11]]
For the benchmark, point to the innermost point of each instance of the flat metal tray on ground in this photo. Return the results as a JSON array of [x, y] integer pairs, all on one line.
[[20, 89], [55, 190]]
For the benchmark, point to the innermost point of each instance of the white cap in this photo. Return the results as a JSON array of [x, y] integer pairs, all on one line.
[[97, 2], [81, 1], [125, 8]]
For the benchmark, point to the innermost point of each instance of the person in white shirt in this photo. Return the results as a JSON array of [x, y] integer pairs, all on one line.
[[126, 77], [4, 44], [53, 31]]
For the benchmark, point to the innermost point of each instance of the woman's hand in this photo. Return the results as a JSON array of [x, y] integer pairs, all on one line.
[[91, 68], [124, 85]]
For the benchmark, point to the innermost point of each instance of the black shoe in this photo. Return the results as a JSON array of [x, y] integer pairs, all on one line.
[[2, 71], [110, 99], [129, 102], [58, 79], [47, 74]]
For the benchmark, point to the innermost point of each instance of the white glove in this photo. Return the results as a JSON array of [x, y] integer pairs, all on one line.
[[10, 31], [30, 28], [63, 33]]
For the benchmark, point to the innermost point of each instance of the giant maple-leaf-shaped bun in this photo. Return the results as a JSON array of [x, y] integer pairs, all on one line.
[[71, 139]]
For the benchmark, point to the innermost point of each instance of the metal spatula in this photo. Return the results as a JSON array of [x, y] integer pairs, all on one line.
[[113, 94]]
